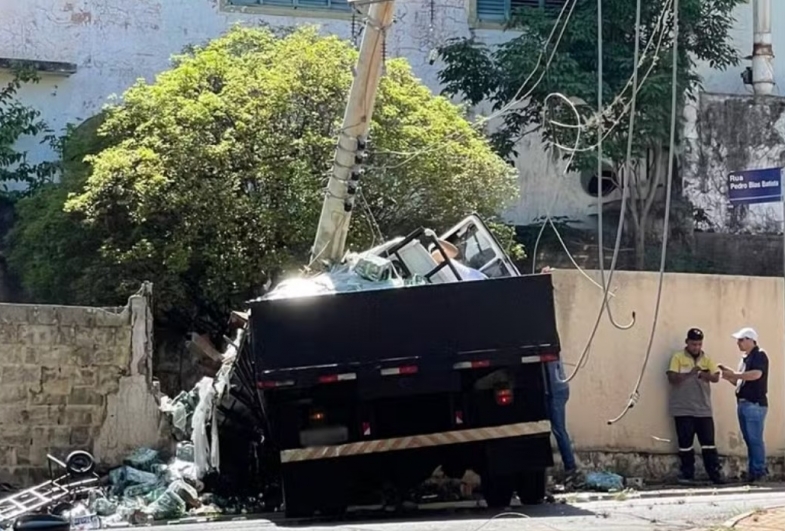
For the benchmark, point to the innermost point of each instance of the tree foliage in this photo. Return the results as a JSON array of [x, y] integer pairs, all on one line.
[[18, 175], [209, 182], [496, 73]]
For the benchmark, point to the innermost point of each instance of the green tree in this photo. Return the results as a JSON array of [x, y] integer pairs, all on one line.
[[17, 121], [51, 250], [479, 72], [211, 179]]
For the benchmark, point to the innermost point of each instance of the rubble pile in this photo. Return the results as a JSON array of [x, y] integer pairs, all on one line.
[[147, 489]]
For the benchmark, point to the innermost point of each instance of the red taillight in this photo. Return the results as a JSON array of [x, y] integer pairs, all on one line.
[[398, 371], [270, 384], [545, 358], [332, 378], [504, 397], [459, 417], [480, 364], [366, 429]]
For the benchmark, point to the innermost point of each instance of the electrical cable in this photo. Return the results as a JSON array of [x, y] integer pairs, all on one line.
[[549, 219], [635, 396], [638, 62], [606, 287], [513, 514], [617, 121], [625, 189], [628, 162], [517, 98]]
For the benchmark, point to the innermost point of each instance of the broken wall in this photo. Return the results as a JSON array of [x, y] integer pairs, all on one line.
[[725, 134], [74, 378]]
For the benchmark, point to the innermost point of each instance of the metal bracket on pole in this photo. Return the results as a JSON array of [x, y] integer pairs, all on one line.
[[337, 208]]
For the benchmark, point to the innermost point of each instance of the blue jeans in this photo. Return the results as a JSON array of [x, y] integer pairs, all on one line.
[[752, 419], [557, 405]]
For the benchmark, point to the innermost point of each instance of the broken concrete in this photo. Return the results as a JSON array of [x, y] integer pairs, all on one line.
[[73, 378]]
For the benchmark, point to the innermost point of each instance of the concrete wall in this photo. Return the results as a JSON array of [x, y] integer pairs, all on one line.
[[74, 378], [115, 42], [725, 134], [717, 304]]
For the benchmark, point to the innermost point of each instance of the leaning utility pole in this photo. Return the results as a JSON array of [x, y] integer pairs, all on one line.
[[339, 197]]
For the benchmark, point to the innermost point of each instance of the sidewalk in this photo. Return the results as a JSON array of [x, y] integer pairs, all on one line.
[[768, 520]]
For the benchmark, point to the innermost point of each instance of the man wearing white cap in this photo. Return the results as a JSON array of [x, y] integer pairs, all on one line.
[[751, 381]]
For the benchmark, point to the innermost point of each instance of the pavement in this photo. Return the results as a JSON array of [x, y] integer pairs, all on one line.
[[697, 509], [761, 519]]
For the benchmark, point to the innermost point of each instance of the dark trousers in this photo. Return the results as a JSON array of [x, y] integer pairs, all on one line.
[[686, 430]]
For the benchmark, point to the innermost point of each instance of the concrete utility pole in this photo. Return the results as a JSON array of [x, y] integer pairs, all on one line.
[[339, 199], [762, 52]]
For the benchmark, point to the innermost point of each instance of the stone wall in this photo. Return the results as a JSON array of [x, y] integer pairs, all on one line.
[[74, 378]]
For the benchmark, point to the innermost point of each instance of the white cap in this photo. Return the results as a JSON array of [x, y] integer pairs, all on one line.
[[746, 333]]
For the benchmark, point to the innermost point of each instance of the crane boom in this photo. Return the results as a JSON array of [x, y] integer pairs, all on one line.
[[338, 203]]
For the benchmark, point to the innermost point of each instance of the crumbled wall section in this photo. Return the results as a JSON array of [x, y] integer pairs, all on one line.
[[74, 378], [725, 134]]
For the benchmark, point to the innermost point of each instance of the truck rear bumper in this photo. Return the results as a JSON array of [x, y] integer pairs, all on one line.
[[417, 441]]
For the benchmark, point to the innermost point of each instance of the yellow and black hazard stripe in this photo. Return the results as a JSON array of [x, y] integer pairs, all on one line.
[[416, 441]]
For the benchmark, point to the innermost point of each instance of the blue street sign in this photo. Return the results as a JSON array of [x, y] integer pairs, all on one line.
[[755, 186]]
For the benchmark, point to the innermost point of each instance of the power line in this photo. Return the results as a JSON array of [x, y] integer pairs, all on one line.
[[635, 396], [580, 126], [606, 287], [517, 98]]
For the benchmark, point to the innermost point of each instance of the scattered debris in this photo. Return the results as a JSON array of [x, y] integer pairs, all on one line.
[[604, 481]]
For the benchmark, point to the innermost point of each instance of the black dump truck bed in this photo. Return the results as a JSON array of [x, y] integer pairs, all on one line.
[[437, 322]]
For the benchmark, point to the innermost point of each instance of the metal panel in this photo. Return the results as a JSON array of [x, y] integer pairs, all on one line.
[[429, 322], [417, 441]]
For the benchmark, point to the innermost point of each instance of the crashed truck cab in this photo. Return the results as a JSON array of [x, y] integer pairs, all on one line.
[[388, 368], [478, 248]]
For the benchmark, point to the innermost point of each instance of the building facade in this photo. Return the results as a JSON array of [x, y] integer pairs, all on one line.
[[95, 49]]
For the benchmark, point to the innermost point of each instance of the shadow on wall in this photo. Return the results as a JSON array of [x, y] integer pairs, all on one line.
[[10, 291]]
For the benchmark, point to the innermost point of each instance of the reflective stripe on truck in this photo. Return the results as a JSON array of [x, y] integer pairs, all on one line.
[[417, 441]]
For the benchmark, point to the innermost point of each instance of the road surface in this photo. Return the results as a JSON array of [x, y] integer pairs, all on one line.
[[674, 513]]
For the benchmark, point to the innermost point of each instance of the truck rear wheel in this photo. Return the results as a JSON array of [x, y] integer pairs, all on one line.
[[530, 486], [497, 491]]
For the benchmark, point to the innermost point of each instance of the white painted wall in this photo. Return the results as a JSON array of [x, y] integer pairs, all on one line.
[[115, 42], [719, 138]]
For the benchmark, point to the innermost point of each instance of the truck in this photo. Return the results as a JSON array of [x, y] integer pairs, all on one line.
[[389, 364], [372, 390]]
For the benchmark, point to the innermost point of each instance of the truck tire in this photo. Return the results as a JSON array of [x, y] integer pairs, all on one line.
[[497, 491], [294, 510], [530, 486]]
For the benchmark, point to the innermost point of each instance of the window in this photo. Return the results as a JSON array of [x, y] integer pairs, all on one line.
[[501, 10], [305, 5]]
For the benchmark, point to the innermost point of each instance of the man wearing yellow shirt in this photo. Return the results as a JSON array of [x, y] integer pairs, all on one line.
[[690, 375]]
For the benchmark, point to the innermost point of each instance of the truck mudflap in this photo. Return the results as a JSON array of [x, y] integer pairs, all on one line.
[[416, 441]]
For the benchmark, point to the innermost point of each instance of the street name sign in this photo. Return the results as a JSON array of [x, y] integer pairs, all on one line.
[[755, 186]]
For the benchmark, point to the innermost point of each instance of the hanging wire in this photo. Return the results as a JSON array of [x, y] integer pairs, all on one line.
[[635, 395]]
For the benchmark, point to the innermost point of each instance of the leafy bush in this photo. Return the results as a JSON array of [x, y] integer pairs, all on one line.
[[209, 182]]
